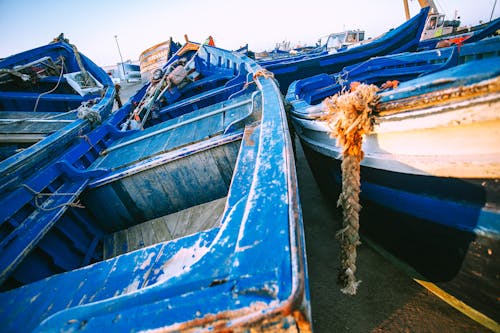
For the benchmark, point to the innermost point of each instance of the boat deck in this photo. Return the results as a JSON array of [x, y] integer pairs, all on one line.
[[183, 223]]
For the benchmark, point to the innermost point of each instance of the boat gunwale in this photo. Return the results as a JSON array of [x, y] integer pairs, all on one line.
[[294, 302]]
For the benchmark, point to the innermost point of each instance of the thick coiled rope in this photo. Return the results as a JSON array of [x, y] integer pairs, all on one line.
[[348, 115]]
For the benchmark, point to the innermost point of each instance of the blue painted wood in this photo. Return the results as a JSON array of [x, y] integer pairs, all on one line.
[[24, 101], [427, 214], [17, 166], [401, 67], [462, 75], [251, 164], [403, 38], [18, 243]]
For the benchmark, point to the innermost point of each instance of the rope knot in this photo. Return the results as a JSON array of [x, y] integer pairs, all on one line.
[[263, 72], [87, 113]]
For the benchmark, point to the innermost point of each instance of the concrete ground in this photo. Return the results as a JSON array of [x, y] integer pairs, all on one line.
[[388, 300], [127, 90]]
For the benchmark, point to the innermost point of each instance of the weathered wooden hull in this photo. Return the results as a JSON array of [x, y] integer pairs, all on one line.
[[156, 57], [155, 188], [398, 67], [40, 119], [429, 176], [404, 38], [222, 172], [405, 213]]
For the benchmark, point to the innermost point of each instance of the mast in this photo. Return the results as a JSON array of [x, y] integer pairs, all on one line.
[[422, 3]]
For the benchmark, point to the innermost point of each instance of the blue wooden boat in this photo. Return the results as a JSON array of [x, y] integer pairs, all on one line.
[[45, 94], [378, 70], [403, 38], [429, 177], [190, 223]]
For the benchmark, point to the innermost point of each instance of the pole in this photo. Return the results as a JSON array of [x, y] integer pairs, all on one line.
[[121, 58], [407, 9], [493, 10]]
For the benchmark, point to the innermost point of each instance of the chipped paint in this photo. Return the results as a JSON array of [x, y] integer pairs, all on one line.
[[182, 261], [147, 262], [34, 298], [133, 286], [451, 95], [427, 141], [261, 215]]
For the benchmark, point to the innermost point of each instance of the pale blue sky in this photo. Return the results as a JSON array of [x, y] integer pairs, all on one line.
[[92, 24]]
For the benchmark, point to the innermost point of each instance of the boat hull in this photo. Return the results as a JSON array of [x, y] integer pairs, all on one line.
[[404, 38], [429, 191], [462, 262]]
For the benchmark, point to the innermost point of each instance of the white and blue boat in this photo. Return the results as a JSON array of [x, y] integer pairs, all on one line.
[[431, 167]]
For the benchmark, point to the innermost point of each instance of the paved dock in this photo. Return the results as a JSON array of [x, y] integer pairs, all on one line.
[[388, 299]]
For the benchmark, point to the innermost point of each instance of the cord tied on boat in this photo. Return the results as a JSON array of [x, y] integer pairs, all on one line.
[[61, 59], [87, 80], [84, 111], [348, 115], [41, 195], [263, 72]]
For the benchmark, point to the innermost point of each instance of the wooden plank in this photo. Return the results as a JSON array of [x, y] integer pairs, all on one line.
[[179, 227], [36, 115], [236, 113], [203, 217], [20, 138], [160, 230], [225, 158], [178, 137], [109, 205], [148, 236], [108, 249], [31, 127], [185, 222], [170, 191], [134, 237], [206, 173], [212, 126], [121, 243], [182, 172], [142, 192], [159, 141]]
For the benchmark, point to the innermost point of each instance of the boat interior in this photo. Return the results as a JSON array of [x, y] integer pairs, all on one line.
[[40, 93], [123, 191], [130, 234]]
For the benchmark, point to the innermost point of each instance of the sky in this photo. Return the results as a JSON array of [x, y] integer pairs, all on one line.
[[93, 24]]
